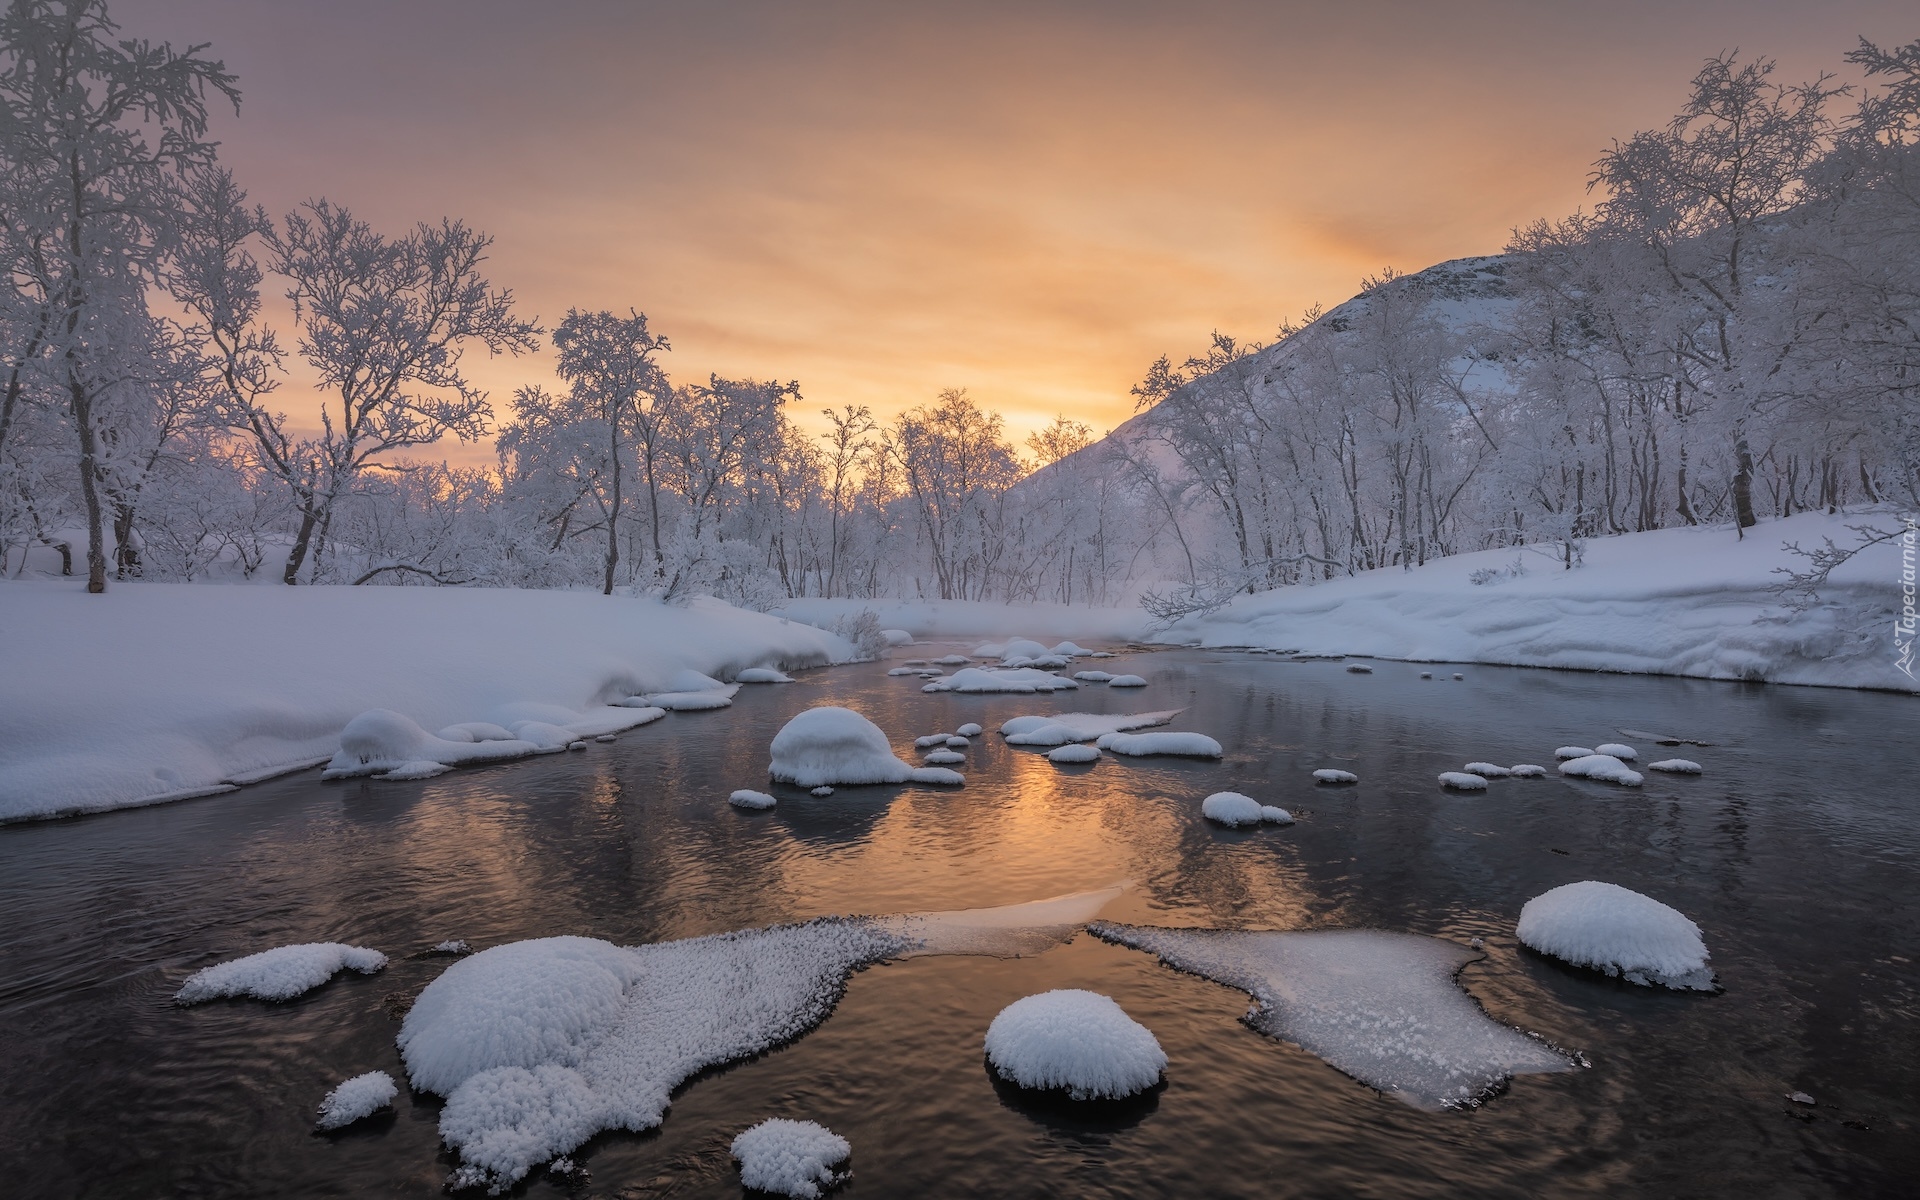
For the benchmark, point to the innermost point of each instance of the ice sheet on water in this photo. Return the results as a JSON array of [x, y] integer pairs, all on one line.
[[1075, 1040], [1185, 745], [280, 973], [1381, 1007], [356, 1099], [981, 680], [539, 1045], [827, 746], [791, 1158], [1058, 729], [1619, 932]]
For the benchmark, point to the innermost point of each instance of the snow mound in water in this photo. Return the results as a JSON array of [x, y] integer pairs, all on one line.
[[356, 1099], [896, 637], [988, 650], [1382, 1007], [970, 729], [944, 758], [937, 775], [1619, 932], [932, 739], [1334, 775], [1093, 677], [958, 742], [1061, 728], [791, 1158], [953, 660], [978, 680], [1188, 745], [1074, 1040], [280, 973], [1566, 752], [762, 675], [1231, 808], [1050, 662], [1070, 650], [1526, 771], [1675, 766], [1022, 648], [1617, 750], [1359, 669], [381, 740], [908, 671], [692, 701], [1073, 753], [1603, 767], [1460, 781], [748, 798], [1275, 814], [1486, 770], [1123, 681], [822, 747], [822, 790]]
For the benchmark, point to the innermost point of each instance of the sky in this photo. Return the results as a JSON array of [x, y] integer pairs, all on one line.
[[1030, 201]]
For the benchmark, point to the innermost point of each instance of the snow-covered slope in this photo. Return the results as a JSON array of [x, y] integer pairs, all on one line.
[[1689, 601], [160, 691]]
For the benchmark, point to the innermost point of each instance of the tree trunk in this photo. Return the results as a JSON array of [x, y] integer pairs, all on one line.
[[89, 489], [298, 556], [1743, 482]]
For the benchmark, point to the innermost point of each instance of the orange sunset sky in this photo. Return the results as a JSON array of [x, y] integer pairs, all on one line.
[[1030, 201]]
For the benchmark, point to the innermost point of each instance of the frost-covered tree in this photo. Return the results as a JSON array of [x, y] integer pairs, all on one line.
[[607, 361]]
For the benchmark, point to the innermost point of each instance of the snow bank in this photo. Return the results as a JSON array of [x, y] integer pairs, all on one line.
[[385, 743], [823, 747], [1461, 781], [1057, 729], [1604, 767], [1692, 601], [1077, 1041], [1187, 745], [1382, 1007], [748, 798], [159, 691], [356, 1099], [1071, 754], [762, 675], [790, 1158], [1619, 932], [1017, 679], [1334, 775], [280, 973], [1675, 766]]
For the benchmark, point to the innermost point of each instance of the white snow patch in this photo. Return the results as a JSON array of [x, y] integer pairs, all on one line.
[[1093, 677], [1074, 1040], [762, 675], [827, 746], [1125, 681], [693, 701], [1334, 775], [1382, 1007], [1604, 767], [748, 798], [280, 973], [1526, 771], [1071, 650], [1359, 669], [897, 637], [1618, 750], [1274, 814], [1231, 808], [791, 1158], [944, 758], [958, 742], [822, 790], [1022, 648], [953, 660], [982, 680], [1073, 753], [937, 775], [1188, 745], [1060, 728], [1487, 770], [1566, 752], [970, 729], [932, 739], [1619, 932], [356, 1099], [1460, 781], [1675, 766]]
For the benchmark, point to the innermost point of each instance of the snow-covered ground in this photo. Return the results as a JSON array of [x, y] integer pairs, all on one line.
[[1669, 602], [160, 691]]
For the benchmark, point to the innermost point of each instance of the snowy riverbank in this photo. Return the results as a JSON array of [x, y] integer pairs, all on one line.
[[160, 691], [1669, 602]]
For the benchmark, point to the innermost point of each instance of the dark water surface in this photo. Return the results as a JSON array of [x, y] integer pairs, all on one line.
[[1795, 853]]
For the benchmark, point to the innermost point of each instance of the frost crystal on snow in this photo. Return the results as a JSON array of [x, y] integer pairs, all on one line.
[[1619, 932], [1074, 1040], [1382, 1007], [280, 973], [791, 1158], [356, 1099]]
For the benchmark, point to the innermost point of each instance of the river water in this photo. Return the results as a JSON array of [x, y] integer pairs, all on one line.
[[1795, 852]]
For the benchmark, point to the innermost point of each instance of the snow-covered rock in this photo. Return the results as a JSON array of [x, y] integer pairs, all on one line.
[[280, 973], [1359, 669], [953, 660], [944, 758], [970, 729], [931, 739], [896, 637], [1126, 681], [476, 731], [1566, 752], [822, 791], [1617, 750], [1073, 753], [1382, 1007], [1021, 648], [1604, 767], [356, 1099], [1675, 766], [748, 798], [1273, 814], [1619, 932], [940, 776], [1070, 650], [762, 675], [981, 680], [1187, 745], [1049, 662], [791, 1158], [1460, 781], [1058, 729], [1077, 1041], [1487, 770], [958, 742], [1093, 677], [822, 747], [1231, 808], [1334, 775], [1527, 771]]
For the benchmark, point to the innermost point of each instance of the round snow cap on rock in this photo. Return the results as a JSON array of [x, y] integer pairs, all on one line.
[[748, 798], [825, 746], [790, 1158], [1231, 808], [1619, 932], [1334, 775], [1073, 753], [1077, 1041]]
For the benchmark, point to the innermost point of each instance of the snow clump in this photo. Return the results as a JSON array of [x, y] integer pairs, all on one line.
[[1603, 767], [1566, 752], [1021, 648], [1615, 749], [1073, 753], [1526, 771], [1060, 728], [1126, 681], [1334, 775], [1675, 766], [825, 746], [970, 729], [1093, 677], [748, 798], [762, 675], [822, 790], [945, 758], [791, 1158], [953, 660], [1074, 1040], [980, 680], [1070, 650], [1274, 814], [1618, 932], [1187, 745], [958, 742], [1359, 669], [280, 973], [1486, 770], [896, 637], [1460, 781], [356, 1099]]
